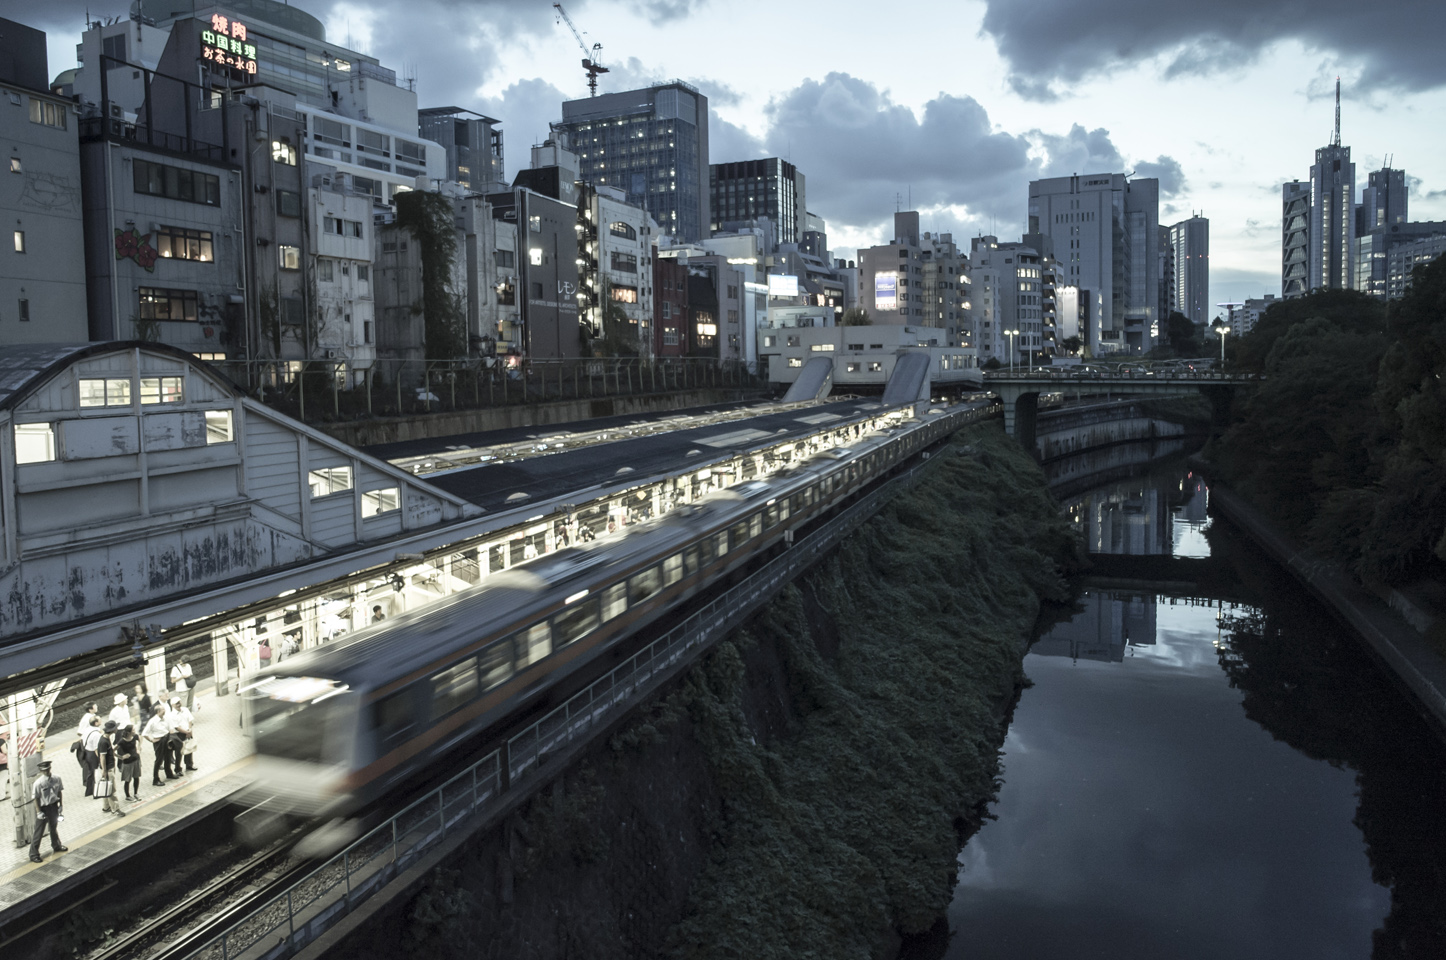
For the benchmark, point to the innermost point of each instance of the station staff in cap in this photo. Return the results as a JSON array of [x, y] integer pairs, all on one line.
[[48, 793]]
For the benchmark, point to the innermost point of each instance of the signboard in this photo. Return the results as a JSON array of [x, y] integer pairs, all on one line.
[[782, 285], [226, 46], [886, 291]]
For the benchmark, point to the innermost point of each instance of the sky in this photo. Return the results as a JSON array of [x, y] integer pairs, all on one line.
[[954, 107]]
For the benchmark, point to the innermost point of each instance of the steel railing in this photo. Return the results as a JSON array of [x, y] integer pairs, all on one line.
[[309, 906]]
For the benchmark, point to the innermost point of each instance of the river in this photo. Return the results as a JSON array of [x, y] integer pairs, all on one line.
[[1205, 766]]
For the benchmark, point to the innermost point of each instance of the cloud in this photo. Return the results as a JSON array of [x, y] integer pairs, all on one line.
[[1079, 151], [860, 149], [1165, 169], [1051, 43], [666, 11]]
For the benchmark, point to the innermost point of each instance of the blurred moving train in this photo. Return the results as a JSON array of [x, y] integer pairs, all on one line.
[[347, 723]]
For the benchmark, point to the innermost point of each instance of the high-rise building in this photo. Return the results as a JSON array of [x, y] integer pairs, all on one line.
[[1105, 230], [1190, 241], [1294, 239], [473, 144], [1375, 251], [1383, 201], [749, 189], [918, 279], [1008, 283], [653, 145], [1406, 257], [42, 279]]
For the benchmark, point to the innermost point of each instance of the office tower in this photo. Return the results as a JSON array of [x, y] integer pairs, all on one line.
[[473, 144], [653, 145], [918, 280], [1007, 281], [1383, 201], [1294, 239], [1190, 242], [749, 189], [1105, 230]]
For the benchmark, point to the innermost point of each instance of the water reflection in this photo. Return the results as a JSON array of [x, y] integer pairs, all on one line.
[[1194, 777]]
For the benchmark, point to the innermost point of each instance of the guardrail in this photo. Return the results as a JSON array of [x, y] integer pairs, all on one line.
[[1089, 375], [310, 906]]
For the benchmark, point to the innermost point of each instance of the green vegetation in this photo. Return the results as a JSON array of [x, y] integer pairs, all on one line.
[[1345, 442], [429, 219], [847, 830], [855, 317]]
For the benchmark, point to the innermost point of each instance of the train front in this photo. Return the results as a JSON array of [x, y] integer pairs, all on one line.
[[305, 732]]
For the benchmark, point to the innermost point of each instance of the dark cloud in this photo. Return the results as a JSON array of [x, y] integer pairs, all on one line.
[[1079, 151], [1054, 42], [1165, 169], [859, 149]]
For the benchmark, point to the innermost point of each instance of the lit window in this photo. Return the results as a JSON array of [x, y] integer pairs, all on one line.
[[384, 500], [49, 114], [161, 390], [290, 257], [328, 480], [283, 152], [15, 165], [181, 243], [34, 442], [534, 224], [105, 393], [19, 241], [795, 361], [534, 255], [218, 425]]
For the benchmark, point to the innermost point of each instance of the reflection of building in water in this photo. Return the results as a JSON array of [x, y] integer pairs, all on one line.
[[1130, 517], [1194, 500], [1109, 623]]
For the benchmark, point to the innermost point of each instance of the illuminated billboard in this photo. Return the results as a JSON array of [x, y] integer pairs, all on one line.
[[886, 291], [782, 285], [225, 45]]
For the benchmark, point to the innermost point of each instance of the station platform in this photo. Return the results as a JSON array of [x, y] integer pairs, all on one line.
[[97, 839]]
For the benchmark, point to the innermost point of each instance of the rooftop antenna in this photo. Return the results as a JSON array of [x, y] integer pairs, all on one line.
[[1337, 141]]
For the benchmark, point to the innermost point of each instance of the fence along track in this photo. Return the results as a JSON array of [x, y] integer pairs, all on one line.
[[308, 907]]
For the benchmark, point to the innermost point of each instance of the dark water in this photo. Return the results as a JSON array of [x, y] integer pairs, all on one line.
[[1206, 766]]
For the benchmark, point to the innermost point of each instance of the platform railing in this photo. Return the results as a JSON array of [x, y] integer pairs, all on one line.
[[313, 904]]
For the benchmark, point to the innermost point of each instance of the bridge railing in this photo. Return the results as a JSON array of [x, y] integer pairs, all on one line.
[[1206, 376], [311, 905]]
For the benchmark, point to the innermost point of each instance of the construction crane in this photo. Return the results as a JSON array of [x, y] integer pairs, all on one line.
[[592, 59]]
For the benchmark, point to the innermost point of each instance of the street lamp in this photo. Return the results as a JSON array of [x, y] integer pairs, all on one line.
[[1222, 330], [1011, 334]]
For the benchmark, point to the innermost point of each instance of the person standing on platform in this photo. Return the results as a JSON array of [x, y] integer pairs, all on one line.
[[120, 713], [183, 726], [190, 680], [156, 733], [105, 775], [140, 707], [263, 654], [90, 754], [128, 754], [48, 793], [91, 712]]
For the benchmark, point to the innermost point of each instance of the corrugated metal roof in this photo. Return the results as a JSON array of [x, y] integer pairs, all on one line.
[[24, 366]]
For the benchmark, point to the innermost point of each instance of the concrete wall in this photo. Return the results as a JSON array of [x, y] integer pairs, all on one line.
[[363, 433], [1060, 433]]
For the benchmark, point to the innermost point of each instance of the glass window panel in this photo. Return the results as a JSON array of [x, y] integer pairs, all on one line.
[[454, 687], [34, 442], [643, 585], [218, 426], [575, 622], [328, 480], [534, 643], [495, 664], [614, 600], [673, 569]]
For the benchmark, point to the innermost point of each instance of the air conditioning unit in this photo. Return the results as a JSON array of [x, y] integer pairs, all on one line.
[[333, 354], [116, 110]]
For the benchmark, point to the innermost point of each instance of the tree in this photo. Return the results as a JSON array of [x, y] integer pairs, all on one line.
[[1072, 345], [855, 317], [1182, 335]]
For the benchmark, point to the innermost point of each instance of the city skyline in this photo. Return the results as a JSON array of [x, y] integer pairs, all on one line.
[[1222, 110]]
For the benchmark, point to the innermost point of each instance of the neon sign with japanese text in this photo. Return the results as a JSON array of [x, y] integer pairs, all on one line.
[[225, 45]]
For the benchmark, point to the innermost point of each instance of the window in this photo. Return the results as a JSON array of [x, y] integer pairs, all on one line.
[[534, 223], [534, 256], [394, 719], [795, 361], [770, 341], [290, 257], [505, 258], [329, 131], [620, 229], [876, 367], [15, 165], [411, 152], [614, 600], [643, 585], [707, 329], [328, 480], [363, 273], [667, 310], [218, 426], [496, 664], [622, 294], [182, 244], [855, 346], [49, 114], [670, 336], [385, 500], [324, 270], [160, 304], [533, 644], [822, 348], [175, 183], [792, 340], [368, 141], [288, 203], [162, 390], [575, 622], [19, 241], [851, 368], [454, 687], [34, 442], [24, 309], [291, 311], [624, 262], [114, 392], [283, 152], [673, 569]]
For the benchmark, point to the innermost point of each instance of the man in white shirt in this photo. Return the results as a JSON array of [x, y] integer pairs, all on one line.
[[120, 713], [182, 727], [190, 683], [89, 755], [91, 712], [157, 732]]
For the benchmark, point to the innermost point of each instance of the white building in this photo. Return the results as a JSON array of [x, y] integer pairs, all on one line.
[[616, 246], [866, 355]]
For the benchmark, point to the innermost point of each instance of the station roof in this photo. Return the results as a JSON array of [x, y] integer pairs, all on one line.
[[25, 367]]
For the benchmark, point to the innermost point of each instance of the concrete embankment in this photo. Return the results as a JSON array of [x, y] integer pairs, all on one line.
[[803, 791], [365, 433], [1401, 646]]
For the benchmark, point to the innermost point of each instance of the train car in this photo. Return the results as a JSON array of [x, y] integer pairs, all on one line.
[[345, 724]]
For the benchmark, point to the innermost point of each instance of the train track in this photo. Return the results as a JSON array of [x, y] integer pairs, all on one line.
[[178, 930]]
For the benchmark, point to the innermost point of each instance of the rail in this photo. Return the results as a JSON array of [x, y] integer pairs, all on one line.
[[308, 907]]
